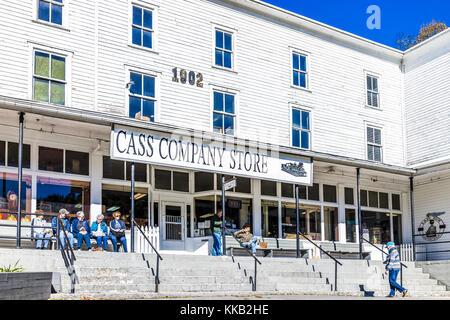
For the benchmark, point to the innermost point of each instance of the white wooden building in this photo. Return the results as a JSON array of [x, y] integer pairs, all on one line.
[[244, 73]]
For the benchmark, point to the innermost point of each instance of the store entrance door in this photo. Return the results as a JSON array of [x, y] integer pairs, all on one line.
[[173, 221]]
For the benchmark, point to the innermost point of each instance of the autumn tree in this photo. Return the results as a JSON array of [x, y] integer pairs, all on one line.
[[406, 41]]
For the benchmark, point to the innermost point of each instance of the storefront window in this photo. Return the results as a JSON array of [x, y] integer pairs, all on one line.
[[287, 190], [289, 220], [55, 194], [376, 226], [180, 181], [204, 211], [269, 219], [51, 159], [349, 196], [384, 200], [140, 172], [2, 153], [77, 162], [13, 155], [204, 181], [118, 198], [329, 193], [238, 212], [331, 224], [350, 223], [397, 226], [313, 192], [9, 190], [396, 202], [243, 185], [112, 169], [268, 188]]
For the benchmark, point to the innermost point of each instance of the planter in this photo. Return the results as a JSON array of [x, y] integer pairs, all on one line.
[[25, 285]]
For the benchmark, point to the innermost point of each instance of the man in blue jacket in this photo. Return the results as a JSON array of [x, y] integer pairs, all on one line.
[[66, 224], [393, 268], [81, 230]]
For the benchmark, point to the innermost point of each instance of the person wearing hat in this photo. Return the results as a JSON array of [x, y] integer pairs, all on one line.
[[67, 228], [81, 231], [100, 233], [392, 269]]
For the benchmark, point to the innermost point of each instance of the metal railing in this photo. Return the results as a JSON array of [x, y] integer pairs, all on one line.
[[158, 256], [383, 252], [252, 255], [336, 262], [67, 254]]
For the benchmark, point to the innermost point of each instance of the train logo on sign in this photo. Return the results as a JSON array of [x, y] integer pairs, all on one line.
[[432, 227], [295, 169]]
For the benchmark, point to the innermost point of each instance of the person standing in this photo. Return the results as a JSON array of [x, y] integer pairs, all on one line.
[[100, 233], [117, 228], [81, 230], [216, 226], [392, 269], [66, 224], [246, 238]]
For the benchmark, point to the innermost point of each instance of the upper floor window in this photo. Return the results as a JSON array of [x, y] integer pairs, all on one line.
[[224, 49], [224, 113], [299, 70], [142, 97], [372, 92], [142, 28], [301, 128], [51, 11], [374, 147], [49, 78]]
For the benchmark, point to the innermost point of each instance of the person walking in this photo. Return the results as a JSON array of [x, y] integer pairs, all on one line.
[[81, 231], [66, 224], [216, 228], [392, 269], [117, 228], [246, 238], [99, 231]]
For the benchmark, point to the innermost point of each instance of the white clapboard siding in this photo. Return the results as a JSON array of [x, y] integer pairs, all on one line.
[[141, 244]]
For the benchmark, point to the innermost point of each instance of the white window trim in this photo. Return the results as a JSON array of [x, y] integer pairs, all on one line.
[[146, 72], [150, 7], [306, 109], [307, 54], [229, 91], [378, 77], [33, 47], [366, 143], [65, 15], [233, 33]]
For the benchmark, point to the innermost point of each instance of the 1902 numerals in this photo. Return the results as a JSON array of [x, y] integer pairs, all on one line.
[[184, 76]]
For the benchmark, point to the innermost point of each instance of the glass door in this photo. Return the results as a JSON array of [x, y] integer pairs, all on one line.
[[173, 220]]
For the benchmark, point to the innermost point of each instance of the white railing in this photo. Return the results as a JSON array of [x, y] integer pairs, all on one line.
[[407, 253], [141, 245]]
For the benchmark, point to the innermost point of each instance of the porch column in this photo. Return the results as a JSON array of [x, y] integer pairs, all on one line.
[[358, 195], [96, 185], [342, 236], [413, 239], [256, 219]]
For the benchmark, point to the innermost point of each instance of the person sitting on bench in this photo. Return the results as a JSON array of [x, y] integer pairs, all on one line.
[[246, 239]]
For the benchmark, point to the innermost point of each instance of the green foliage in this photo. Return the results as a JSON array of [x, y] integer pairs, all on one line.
[[406, 41], [12, 269]]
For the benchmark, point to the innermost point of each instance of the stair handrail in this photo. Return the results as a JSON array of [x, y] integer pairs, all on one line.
[[336, 261], [68, 258], [158, 256], [252, 255]]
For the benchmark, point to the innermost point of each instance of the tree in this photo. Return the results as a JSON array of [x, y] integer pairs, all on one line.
[[406, 41]]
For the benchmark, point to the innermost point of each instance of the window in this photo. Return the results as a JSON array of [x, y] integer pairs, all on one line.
[[13, 155], [329, 193], [349, 196], [204, 181], [142, 27], [171, 180], [372, 92], [301, 129], [396, 201], [50, 11], [268, 188], [287, 190], [51, 159], [140, 172], [224, 113], [116, 169], [313, 192], [49, 78], [142, 97], [2, 153], [299, 70], [77, 162], [224, 49], [374, 152]]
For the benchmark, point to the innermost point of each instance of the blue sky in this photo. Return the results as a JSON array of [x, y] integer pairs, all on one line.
[[350, 15]]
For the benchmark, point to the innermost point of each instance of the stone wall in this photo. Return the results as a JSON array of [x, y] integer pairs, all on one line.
[[25, 285]]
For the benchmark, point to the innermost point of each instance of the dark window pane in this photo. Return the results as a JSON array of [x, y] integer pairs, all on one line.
[[219, 39], [305, 140], [228, 41], [302, 80], [2, 153], [140, 172], [147, 39], [137, 16], [384, 200], [364, 198], [218, 101], [295, 61], [296, 79], [163, 179], [44, 11], [57, 14], [219, 180], [396, 202], [349, 196], [181, 181], [227, 60], [287, 190], [137, 36], [350, 225], [229, 103], [329, 193], [155, 214], [112, 169], [218, 122], [136, 87], [219, 58], [243, 185], [295, 138], [228, 123], [13, 155], [149, 86], [135, 107], [268, 188], [373, 199], [148, 109], [305, 120], [51, 159], [302, 63], [77, 162], [296, 118], [302, 192], [204, 181], [313, 192], [148, 19]]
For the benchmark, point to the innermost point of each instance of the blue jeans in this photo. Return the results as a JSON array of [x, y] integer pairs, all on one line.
[[80, 239], [217, 244], [393, 282], [252, 244], [103, 239], [39, 242], [123, 240], [62, 238]]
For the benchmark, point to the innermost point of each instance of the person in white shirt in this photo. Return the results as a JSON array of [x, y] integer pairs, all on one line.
[[41, 233]]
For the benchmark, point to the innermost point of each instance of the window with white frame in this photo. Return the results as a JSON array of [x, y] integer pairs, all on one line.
[[224, 113], [372, 92], [299, 70], [49, 78], [51, 11], [142, 31], [301, 128], [142, 96], [224, 49], [374, 146]]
